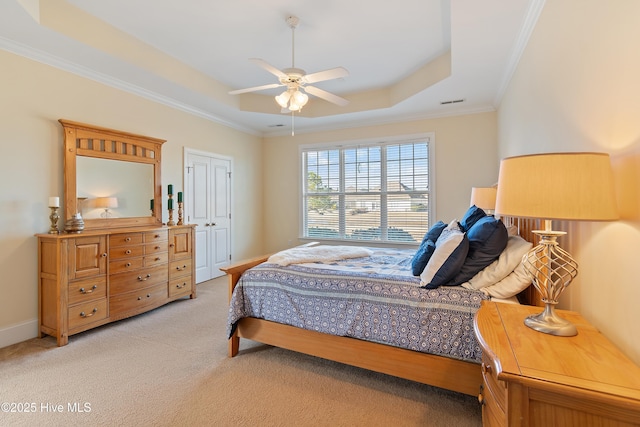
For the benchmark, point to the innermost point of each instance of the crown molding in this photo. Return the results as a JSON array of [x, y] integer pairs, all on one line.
[[530, 20], [79, 70], [381, 122]]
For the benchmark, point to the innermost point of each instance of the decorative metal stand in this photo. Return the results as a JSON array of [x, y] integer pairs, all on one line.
[[54, 217], [171, 221], [180, 213], [552, 270]]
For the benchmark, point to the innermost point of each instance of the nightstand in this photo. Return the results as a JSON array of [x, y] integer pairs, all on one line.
[[536, 379]]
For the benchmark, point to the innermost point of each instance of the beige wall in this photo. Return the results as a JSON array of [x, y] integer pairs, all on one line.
[[577, 88], [465, 149], [33, 97]]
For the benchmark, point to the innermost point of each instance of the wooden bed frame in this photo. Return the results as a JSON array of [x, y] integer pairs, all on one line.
[[452, 374]]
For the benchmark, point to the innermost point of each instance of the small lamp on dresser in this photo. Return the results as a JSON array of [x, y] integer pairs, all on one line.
[[106, 203], [555, 186]]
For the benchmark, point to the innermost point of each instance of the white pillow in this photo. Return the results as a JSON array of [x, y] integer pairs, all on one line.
[[451, 251], [508, 260], [511, 285]]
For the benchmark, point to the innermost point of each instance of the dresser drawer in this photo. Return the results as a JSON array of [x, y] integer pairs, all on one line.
[[88, 312], [180, 268], [125, 239], [87, 290], [156, 236], [125, 264], [180, 287], [142, 278], [156, 259], [133, 301], [126, 251], [154, 248]]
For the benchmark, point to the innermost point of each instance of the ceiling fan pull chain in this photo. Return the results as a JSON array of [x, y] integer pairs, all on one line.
[[293, 129]]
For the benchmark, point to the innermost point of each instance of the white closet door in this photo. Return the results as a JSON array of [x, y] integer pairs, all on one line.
[[208, 205]]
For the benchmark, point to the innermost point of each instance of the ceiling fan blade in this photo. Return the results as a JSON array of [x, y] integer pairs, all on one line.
[[333, 73], [334, 99], [270, 68], [254, 89]]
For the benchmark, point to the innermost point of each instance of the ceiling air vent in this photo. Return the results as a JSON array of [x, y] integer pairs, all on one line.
[[455, 101]]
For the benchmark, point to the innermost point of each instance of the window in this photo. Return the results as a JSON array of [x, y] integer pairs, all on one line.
[[370, 192]]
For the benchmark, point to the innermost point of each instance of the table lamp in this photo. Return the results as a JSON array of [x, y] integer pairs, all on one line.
[[106, 203], [560, 186], [484, 198]]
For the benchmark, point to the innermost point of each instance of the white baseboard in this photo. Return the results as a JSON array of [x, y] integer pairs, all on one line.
[[17, 333]]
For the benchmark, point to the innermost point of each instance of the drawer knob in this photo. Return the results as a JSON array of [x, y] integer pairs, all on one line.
[[128, 251], [486, 369], [84, 291], [127, 239], [142, 279], [83, 314], [179, 268], [104, 255], [128, 264], [179, 286], [148, 295], [139, 298]]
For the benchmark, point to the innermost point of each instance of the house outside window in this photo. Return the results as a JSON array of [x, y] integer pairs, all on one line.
[[369, 192]]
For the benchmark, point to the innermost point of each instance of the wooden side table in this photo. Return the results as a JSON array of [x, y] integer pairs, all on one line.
[[536, 379]]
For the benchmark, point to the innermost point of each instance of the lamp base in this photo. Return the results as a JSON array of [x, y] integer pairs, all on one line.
[[549, 322]]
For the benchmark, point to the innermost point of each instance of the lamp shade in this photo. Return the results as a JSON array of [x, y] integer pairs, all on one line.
[[484, 197], [107, 202], [562, 186]]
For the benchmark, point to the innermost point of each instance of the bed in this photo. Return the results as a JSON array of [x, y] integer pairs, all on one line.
[[307, 323]]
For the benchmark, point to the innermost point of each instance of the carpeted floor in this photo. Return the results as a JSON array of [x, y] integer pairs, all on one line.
[[169, 367]]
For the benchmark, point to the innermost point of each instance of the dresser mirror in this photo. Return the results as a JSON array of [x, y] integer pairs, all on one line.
[[111, 177]]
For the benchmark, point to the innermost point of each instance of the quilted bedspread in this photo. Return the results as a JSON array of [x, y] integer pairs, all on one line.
[[374, 298]]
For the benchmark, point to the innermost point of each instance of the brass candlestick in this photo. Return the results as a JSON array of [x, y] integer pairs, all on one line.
[[180, 213], [171, 222], [54, 220]]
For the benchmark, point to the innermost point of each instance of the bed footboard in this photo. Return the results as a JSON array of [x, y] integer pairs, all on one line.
[[234, 271]]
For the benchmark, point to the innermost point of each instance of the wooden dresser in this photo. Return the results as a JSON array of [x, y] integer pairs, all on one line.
[[100, 276], [536, 379]]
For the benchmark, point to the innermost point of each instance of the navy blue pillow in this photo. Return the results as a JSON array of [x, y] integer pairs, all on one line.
[[435, 231], [473, 215], [428, 245], [421, 258], [487, 239]]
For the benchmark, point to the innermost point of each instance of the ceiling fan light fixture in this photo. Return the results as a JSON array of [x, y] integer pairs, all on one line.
[[298, 100], [292, 99], [283, 98]]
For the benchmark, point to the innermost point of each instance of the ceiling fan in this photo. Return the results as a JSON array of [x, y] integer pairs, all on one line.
[[297, 80]]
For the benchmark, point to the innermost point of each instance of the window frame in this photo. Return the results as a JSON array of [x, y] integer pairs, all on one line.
[[428, 137]]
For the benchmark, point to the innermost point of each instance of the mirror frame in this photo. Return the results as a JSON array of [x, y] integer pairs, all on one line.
[[91, 141]]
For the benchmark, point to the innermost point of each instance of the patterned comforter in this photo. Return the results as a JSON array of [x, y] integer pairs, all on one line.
[[374, 298]]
